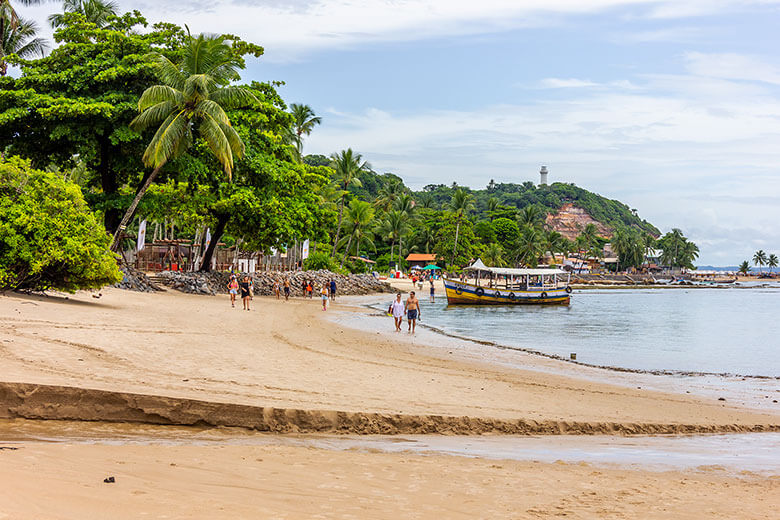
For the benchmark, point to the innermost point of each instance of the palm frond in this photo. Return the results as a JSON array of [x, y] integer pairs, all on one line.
[[218, 142], [168, 72], [166, 141], [233, 97], [157, 94], [153, 115]]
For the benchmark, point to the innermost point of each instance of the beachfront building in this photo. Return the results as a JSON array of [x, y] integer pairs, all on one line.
[[420, 260]]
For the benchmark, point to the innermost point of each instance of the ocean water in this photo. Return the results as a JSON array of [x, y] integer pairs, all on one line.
[[732, 330]]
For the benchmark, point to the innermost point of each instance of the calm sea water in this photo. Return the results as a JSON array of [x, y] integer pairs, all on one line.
[[734, 330]]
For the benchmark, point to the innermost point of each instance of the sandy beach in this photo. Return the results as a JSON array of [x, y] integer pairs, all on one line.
[[172, 358]]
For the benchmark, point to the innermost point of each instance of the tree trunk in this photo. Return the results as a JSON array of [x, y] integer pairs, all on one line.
[[338, 228], [109, 184], [392, 249], [205, 266], [346, 251], [131, 210], [455, 248]]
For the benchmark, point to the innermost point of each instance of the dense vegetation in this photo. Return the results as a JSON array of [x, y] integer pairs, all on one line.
[[152, 122]]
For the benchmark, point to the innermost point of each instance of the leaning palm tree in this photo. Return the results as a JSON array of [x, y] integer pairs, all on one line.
[[360, 215], [18, 37], [304, 121], [95, 11], [192, 98], [759, 259], [462, 202], [347, 165], [771, 262]]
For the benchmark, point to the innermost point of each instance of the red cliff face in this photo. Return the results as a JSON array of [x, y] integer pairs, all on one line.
[[570, 221]]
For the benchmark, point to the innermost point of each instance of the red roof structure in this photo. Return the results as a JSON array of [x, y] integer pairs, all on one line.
[[420, 257]]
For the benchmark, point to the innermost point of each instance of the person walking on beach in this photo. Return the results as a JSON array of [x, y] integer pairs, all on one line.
[[246, 291], [276, 288], [233, 289], [286, 289], [433, 291], [397, 309], [304, 285], [324, 295], [333, 289], [412, 311]]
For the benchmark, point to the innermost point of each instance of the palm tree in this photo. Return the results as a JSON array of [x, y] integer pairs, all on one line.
[[347, 165], [304, 121], [426, 200], [388, 194], [360, 215], [759, 259], [424, 239], [529, 216], [193, 95], [393, 227], [744, 267], [18, 37], [553, 242], [772, 261], [95, 11], [530, 246], [461, 203], [492, 204], [493, 256]]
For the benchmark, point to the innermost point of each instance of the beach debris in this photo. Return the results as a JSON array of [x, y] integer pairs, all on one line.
[[109, 480], [573, 355], [12, 448], [721, 398]]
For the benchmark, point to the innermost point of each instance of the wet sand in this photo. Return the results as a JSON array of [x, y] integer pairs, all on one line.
[[285, 356]]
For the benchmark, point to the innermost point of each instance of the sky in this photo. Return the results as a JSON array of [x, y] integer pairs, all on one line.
[[670, 106]]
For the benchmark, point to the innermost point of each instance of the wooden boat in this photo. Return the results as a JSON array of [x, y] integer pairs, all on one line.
[[500, 286]]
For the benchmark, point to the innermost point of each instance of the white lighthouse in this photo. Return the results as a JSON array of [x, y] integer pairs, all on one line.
[[543, 175]]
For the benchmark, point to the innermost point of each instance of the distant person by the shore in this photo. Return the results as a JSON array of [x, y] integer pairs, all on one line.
[[433, 292], [397, 309], [324, 296], [286, 289], [276, 288], [412, 311], [333, 289], [246, 291], [233, 289]]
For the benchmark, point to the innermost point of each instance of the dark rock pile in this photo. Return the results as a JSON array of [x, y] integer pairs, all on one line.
[[216, 283], [135, 280]]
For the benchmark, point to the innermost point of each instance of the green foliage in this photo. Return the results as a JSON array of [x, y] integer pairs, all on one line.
[[677, 251], [319, 260], [744, 267], [49, 239], [445, 243], [507, 231]]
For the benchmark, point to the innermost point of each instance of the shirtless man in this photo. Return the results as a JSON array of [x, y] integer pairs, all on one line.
[[412, 311]]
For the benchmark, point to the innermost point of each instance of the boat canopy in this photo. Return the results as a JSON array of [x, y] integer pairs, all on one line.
[[479, 266]]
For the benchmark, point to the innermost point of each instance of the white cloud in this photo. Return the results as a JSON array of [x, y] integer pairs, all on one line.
[[291, 29], [567, 83], [732, 66]]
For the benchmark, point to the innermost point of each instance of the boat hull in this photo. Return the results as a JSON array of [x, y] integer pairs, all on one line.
[[460, 293]]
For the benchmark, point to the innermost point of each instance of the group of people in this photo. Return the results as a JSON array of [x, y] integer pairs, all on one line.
[[246, 287], [410, 308]]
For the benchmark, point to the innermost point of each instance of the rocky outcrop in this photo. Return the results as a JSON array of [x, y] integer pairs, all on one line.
[[571, 220], [216, 283], [135, 280]]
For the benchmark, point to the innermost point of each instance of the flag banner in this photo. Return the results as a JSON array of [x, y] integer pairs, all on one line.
[[141, 236], [305, 249], [208, 238]]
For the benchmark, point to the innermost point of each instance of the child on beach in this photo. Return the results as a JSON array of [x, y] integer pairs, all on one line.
[[233, 289], [433, 291], [324, 294], [310, 289]]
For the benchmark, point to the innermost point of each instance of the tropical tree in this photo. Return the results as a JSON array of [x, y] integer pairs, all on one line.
[[530, 216], [304, 121], [360, 216], [492, 203], [426, 200], [493, 256], [393, 227], [193, 96], [744, 267], [17, 36], [424, 239], [462, 202], [388, 194], [553, 242], [530, 246], [347, 165], [759, 259], [771, 262], [94, 11]]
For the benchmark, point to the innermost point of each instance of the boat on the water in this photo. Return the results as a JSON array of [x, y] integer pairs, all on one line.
[[505, 286]]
